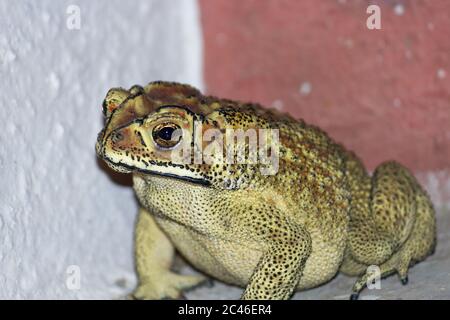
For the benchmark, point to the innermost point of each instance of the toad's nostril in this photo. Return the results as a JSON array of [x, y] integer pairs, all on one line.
[[117, 136]]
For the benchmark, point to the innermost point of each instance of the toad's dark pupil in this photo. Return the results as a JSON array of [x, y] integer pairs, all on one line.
[[166, 133]]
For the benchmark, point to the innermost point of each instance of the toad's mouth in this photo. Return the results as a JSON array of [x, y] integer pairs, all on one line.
[[125, 168]]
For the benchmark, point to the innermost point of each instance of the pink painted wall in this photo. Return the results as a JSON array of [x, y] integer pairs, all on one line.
[[383, 93]]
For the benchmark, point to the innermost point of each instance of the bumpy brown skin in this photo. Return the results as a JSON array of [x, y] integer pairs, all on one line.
[[272, 234]]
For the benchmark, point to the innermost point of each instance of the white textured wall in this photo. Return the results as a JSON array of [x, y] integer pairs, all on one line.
[[58, 207]]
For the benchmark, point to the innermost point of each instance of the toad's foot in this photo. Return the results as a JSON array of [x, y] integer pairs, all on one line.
[[168, 286]]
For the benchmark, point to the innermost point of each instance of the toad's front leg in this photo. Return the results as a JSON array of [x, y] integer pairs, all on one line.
[[288, 246], [154, 253]]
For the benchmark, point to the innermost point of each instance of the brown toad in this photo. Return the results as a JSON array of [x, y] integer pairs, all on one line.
[[271, 217]]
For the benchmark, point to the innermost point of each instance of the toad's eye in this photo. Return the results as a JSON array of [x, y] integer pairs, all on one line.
[[166, 135]]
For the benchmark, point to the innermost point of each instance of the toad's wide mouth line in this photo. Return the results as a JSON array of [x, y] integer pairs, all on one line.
[[198, 181]]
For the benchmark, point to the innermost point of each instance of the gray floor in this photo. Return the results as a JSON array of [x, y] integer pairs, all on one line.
[[429, 279]]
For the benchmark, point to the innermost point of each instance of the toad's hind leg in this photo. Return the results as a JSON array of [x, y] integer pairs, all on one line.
[[392, 224]]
